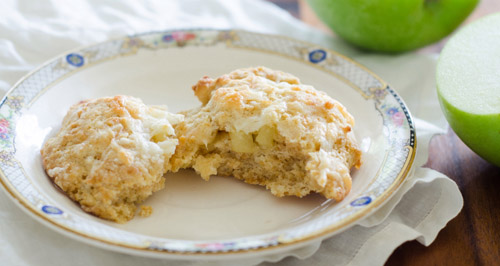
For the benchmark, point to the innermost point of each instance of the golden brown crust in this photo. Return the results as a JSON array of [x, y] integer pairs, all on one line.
[[254, 123], [259, 125], [110, 154]]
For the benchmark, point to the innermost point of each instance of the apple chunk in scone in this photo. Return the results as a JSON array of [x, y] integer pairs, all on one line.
[[262, 126]]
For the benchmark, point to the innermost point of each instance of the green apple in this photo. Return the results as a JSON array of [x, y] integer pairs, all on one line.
[[392, 25], [468, 86]]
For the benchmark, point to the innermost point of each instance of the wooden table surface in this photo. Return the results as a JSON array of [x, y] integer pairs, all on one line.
[[473, 237]]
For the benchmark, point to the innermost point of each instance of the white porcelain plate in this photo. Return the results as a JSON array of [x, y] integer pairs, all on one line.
[[193, 218]]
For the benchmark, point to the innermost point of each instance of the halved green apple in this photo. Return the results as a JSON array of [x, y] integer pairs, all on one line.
[[468, 86]]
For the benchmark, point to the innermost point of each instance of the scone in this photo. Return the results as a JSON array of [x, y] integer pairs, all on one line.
[[264, 127], [111, 153]]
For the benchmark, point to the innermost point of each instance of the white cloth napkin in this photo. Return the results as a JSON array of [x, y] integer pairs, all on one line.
[[32, 32]]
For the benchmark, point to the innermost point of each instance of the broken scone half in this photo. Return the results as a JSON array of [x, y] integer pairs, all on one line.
[[111, 153], [264, 127]]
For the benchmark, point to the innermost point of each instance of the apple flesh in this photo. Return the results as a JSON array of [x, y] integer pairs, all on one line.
[[468, 86], [392, 25]]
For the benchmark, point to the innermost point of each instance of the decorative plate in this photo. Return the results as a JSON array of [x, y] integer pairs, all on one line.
[[222, 218]]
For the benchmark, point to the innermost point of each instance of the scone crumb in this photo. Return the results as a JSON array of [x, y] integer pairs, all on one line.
[[145, 211]]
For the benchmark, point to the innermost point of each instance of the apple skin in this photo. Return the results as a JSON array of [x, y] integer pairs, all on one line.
[[468, 86], [480, 132], [392, 26]]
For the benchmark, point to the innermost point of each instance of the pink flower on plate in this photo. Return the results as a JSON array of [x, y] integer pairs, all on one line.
[[398, 118], [211, 246], [183, 36], [4, 125]]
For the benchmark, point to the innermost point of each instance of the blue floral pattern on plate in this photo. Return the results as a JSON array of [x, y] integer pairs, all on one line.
[[51, 210], [75, 60], [317, 56], [398, 130], [362, 201]]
